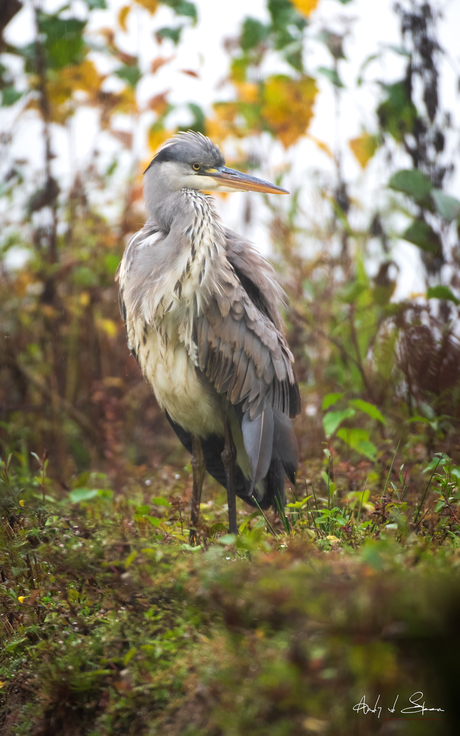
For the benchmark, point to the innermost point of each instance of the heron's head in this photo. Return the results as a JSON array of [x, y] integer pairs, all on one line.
[[192, 161]]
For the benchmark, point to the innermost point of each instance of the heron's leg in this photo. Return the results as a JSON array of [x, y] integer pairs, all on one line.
[[228, 460], [198, 469]]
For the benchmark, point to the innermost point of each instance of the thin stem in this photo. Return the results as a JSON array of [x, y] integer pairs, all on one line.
[[426, 489], [198, 469]]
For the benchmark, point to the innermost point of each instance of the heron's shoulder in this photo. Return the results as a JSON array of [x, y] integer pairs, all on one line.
[[257, 276], [150, 235]]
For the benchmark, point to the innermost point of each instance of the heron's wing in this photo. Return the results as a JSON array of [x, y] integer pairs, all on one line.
[[144, 237], [257, 277], [246, 357], [243, 353]]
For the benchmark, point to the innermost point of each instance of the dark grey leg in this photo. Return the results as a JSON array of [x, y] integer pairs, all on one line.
[[198, 468], [228, 459]]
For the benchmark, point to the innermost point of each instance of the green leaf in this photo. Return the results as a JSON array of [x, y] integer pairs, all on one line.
[[253, 33], [283, 15], [417, 419], [63, 43], [111, 263], [446, 206], [172, 33], [329, 400], [105, 493], [332, 75], [154, 521], [199, 118], [227, 539], [438, 461], [333, 419], [423, 236], [358, 439], [182, 7], [85, 276], [10, 95], [397, 114], [82, 494], [96, 4], [130, 558], [350, 292], [130, 74], [442, 292], [412, 182], [160, 501], [142, 510], [299, 504], [129, 655], [368, 409]]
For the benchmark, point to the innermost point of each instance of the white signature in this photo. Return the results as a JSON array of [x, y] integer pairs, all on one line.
[[415, 706]]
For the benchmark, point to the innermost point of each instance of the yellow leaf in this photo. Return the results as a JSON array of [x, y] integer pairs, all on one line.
[[126, 101], [224, 124], [321, 145], [113, 382], [150, 5], [288, 106], [305, 6], [62, 85], [157, 136], [108, 326], [364, 147], [2, 683], [247, 91], [123, 16]]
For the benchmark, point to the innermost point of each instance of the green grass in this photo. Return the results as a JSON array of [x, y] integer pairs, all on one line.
[[113, 624]]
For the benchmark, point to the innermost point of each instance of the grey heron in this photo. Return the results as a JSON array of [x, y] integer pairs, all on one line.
[[201, 308]]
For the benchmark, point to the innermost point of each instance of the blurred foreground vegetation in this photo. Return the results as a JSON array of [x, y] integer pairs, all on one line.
[[112, 624]]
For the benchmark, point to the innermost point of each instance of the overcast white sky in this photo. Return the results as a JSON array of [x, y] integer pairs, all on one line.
[[371, 24]]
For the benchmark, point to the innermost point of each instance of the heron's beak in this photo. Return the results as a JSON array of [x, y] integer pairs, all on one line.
[[232, 180]]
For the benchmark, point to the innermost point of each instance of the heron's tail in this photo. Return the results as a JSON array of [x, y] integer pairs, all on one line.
[[274, 487]]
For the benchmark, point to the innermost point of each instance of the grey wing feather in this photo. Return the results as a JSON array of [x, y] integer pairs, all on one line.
[[257, 275], [258, 441], [285, 443]]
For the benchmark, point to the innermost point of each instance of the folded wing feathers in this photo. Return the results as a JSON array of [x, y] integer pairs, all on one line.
[[243, 353], [258, 441], [285, 443]]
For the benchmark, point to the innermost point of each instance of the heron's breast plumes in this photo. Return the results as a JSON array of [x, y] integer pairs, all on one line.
[[178, 387], [166, 282]]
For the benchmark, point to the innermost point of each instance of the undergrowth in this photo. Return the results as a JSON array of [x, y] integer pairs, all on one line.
[[114, 624]]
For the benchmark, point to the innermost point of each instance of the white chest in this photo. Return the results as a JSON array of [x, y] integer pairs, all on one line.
[[188, 398]]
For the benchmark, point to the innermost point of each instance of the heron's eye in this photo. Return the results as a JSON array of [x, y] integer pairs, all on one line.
[[196, 167]]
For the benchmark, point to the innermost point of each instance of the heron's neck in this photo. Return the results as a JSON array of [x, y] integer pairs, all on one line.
[[203, 241]]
